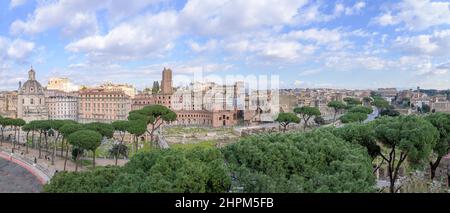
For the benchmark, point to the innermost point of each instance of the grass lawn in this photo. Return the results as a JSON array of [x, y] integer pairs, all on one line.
[[184, 130], [203, 144]]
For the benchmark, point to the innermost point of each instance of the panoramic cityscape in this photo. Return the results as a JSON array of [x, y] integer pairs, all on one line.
[[287, 96]]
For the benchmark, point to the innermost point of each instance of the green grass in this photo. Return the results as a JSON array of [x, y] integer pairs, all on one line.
[[184, 130], [202, 144]]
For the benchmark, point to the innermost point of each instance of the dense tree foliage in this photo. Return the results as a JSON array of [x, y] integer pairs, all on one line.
[[106, 130], [173, 170], [351, 102], [441, 121], [97, 181], [403, 138], [352, 117], [308, 162], [361, 109], [380, 103], [363, 135], [286, 118], [389, 111]]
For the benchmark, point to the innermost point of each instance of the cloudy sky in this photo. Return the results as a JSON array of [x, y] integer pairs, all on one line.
[[323, 43]]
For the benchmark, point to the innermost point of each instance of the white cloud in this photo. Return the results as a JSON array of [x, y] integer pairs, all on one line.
[[309, 72], [16, 3], [210, 45], [416, 14], [75, 16], [355, 9], [20, 49], [220, 17], [435, 44], [345, 61], [424, 67], [144, 36], [331, 39], [17, 50], [313, 13]]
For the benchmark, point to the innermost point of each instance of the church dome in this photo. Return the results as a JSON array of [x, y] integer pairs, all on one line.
[[32, 86]]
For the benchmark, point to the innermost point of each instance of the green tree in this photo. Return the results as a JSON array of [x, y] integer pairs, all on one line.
[[155, 88], [441, 121], [34, 126], [154, 116], [338, 106], [136, 128], [55, 125], [118, 150], [352, 117], [361, 109], [367, 100], [17, 125], [390, 111], [363, 135], [352, 101], [27, 128], [307, 113], [95, 181], [121, 127], [380, 103], [66, 130], [106, 130], [198, 170], [424, 109], [86, 139], [309, 162], [319, 120], [5, 122], [44, 127], [286, 118], [403, 138]]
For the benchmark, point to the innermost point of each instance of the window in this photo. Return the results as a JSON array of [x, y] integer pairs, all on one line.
[[31, 101]]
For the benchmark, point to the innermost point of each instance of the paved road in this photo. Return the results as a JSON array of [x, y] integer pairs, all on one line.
[[15, 179], [372, 116]]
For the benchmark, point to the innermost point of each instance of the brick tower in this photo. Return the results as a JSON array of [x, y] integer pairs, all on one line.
[[166, 83]]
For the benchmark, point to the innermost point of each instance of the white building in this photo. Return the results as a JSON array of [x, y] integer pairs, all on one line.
[[62, 105]]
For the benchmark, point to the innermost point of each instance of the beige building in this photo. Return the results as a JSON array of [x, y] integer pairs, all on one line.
[[62, 105], [8, 104], [31, 100], [127, 89], [99, 105], [62, 84]]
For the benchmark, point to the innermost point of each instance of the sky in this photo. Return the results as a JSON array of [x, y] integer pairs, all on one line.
[[354, 44]]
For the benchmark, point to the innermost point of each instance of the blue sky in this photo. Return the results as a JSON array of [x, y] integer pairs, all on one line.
[[336, 44]]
